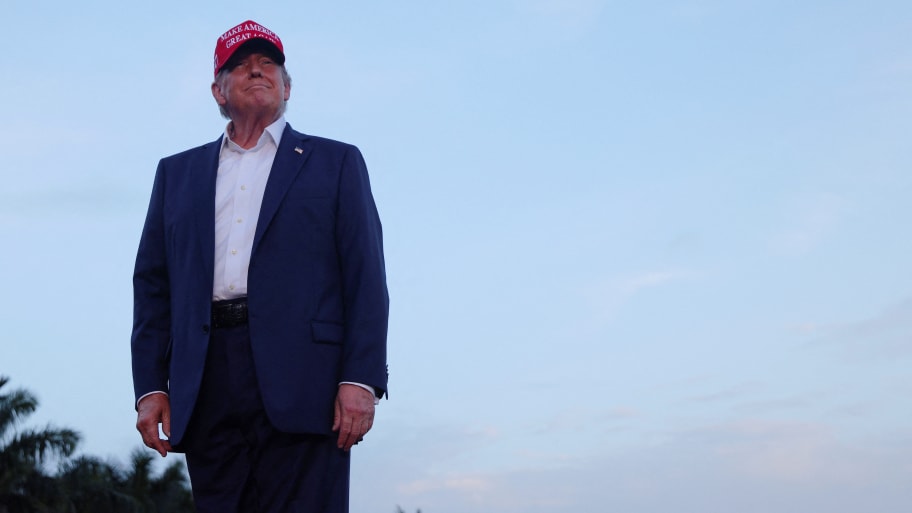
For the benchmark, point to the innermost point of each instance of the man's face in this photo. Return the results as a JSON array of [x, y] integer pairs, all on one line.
[[254, 86]]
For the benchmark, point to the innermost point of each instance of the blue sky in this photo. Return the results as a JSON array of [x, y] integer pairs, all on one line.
[[643, 257]]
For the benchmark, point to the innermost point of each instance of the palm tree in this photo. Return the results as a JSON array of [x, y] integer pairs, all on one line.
[[90, 484], [171, 491], [24, 486], [83, 484], [139, 478], [166, 493]]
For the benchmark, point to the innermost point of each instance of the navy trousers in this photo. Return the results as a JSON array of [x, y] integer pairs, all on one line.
[[238, 462]]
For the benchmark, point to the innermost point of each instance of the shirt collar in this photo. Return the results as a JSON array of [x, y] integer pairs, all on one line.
[[272, 133]]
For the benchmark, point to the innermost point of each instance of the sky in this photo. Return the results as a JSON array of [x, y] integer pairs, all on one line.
[[643, 257]]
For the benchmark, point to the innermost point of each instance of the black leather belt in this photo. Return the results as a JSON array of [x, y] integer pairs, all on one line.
[[229, 313]]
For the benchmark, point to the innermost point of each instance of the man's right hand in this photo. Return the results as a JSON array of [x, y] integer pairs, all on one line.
[[153, 410]]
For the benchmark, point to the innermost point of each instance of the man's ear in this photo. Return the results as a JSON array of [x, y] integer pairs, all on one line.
[[218, 95]]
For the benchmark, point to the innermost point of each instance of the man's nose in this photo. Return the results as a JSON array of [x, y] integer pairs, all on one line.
[[255, 68]]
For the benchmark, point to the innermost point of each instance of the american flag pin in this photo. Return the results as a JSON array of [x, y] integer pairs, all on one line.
[[299, 150]]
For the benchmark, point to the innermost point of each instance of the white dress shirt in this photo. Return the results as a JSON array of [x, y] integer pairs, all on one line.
[[239, 188]]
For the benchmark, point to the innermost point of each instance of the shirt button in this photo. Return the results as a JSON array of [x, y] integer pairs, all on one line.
[[230, 287], [240, 220], [234, 252], [243, 187]]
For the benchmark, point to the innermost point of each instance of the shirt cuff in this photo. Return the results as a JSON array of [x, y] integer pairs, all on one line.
[[365, 387], [147, 395]]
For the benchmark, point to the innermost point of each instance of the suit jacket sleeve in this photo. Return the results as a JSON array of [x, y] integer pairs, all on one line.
[[359, 240], [151, 306]]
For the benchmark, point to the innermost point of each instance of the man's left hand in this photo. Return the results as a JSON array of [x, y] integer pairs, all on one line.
[[354, 414]]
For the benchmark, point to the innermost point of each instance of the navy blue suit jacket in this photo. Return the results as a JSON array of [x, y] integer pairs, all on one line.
[[317, 296]]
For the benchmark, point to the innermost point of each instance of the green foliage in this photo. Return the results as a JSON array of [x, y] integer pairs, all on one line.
[[23, 454], [83, 484]]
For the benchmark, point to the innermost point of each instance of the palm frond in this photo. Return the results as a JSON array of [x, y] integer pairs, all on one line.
[[34, 446], [14, 406]]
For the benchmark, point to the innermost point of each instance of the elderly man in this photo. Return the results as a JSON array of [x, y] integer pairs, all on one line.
[[260, 300]]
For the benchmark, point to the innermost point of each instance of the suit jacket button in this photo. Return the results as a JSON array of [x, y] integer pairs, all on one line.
[[205, 328]]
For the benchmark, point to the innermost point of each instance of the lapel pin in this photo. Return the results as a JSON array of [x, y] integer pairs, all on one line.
[[299, 150]]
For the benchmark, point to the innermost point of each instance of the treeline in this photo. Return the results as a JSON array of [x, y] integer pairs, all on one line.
[[83, 484]]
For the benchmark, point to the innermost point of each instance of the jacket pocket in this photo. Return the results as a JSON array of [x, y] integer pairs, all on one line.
[[327, 332]]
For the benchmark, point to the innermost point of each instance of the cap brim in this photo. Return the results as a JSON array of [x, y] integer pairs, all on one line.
[[256, 45]]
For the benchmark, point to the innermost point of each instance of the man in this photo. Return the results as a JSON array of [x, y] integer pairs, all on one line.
[[260, 300]]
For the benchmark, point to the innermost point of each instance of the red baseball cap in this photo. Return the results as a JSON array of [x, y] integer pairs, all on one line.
[[244, 33]]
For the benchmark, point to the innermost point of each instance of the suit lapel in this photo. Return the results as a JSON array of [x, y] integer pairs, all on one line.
[[204, 171], [290, 156]]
